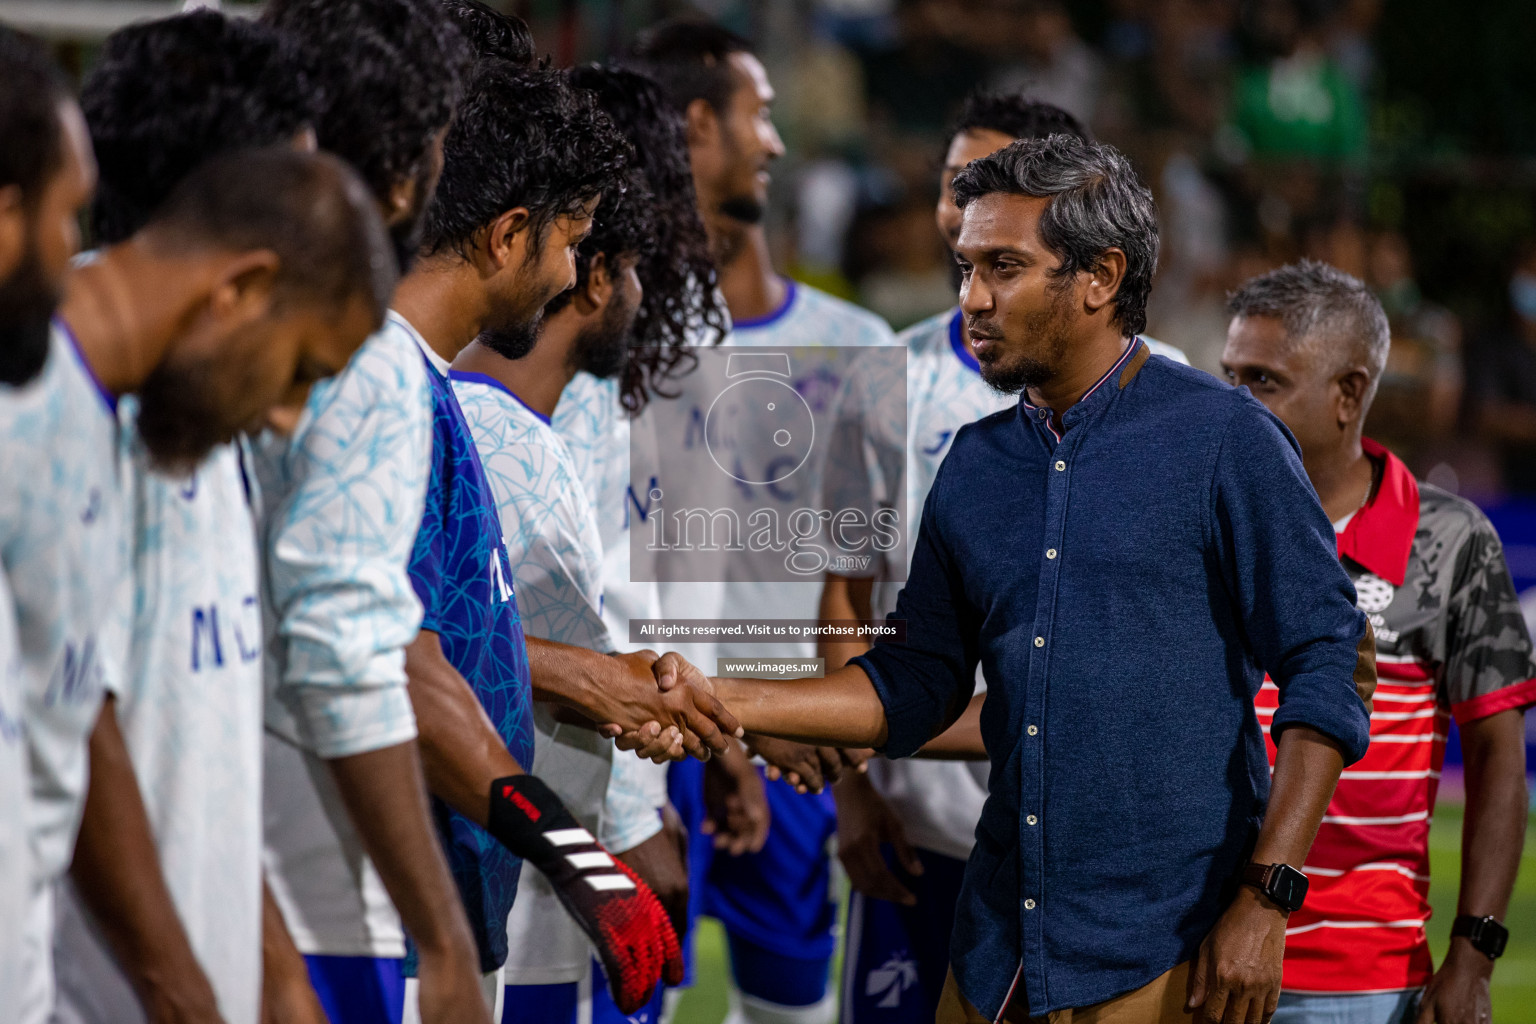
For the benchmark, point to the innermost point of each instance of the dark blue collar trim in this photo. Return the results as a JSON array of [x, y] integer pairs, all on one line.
[[960, 345], [107, 397], [775, 316]]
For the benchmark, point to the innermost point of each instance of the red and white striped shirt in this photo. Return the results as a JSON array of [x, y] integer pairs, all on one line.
[[1450, 642]]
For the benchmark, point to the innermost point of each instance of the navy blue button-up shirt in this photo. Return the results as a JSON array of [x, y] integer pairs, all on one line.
[[1125, 586]]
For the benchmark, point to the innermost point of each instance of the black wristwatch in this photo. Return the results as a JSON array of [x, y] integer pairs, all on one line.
[[1282, 883], [1488, 936]]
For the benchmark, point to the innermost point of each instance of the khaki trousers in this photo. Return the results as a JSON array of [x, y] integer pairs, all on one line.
[[1160, 1001]]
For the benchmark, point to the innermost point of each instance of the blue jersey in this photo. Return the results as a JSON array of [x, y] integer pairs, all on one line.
[[461, 573]]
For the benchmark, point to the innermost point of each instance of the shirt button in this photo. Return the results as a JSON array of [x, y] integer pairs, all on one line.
[[1050, 552], [1039, 641], [1032, 730], [1030, 820], [1029, 904], [1060, 466]]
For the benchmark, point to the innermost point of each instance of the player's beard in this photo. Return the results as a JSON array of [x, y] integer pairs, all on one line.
[[182, 416], [744, 208], [603, 348], [514, 340], [27, 301], [1047, 329]]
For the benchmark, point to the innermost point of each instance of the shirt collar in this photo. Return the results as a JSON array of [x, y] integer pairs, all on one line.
[[1126, 367], [436, 361], [1380, 536]]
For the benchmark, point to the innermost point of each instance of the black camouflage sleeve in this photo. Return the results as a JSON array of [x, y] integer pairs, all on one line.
[[1488, 648]]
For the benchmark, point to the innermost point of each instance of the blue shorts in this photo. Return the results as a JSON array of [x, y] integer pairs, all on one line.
[[897, 957], [1348, 1007], [780, 899], [562, 1004], [358, 989]]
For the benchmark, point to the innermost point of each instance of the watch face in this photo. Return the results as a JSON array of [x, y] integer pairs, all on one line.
[[1491, 938], [1288, 887]]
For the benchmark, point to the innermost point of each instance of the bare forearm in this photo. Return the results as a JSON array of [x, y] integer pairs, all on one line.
[[1307, 767], [843, 598], [840, 710], [387, 801], [570, 676], [1493, 833], [117, 871], [961, 741]]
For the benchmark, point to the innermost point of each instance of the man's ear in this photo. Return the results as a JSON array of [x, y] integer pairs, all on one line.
[[1104, 280], [702, 122], [13, 229], [1354, 385], [243, 284], [507, 238], [593, 295]]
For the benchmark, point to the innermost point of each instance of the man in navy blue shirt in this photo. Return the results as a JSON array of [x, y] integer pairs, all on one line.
[[1126, 552]]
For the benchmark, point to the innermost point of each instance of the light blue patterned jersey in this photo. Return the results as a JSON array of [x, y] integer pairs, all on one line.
[[808, 318], [189, 703], [63, 546], [343, 500]]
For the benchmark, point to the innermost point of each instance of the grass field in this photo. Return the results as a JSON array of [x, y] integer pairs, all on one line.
[[1514, 981]]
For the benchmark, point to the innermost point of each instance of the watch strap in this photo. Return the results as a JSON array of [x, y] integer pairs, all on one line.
[[1486, 934]]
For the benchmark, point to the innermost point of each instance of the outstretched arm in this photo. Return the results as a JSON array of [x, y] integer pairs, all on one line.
[[841, 709]]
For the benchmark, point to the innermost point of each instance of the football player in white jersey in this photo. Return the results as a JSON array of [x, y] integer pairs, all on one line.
[[341, 499], [45, 179], [189, 699], [212, 314], [635, 259], [777, 904], [906, 828]]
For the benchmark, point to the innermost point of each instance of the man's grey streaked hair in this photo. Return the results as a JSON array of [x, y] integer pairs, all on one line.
[[1096, 203], [1323, 307]]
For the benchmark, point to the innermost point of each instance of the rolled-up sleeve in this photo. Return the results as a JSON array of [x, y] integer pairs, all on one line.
[[1281, 566], [338, 544], [926, 682]]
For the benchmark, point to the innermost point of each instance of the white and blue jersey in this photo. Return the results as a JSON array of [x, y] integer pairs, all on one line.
[[556, 558], [461, 573], [63, 547], [189, 704], [343, 499]]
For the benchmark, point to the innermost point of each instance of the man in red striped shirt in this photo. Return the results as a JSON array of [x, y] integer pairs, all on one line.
[[1311, 343]]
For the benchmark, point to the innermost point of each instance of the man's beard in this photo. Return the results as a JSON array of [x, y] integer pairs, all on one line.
[[1048, 329], [181, 417], [747, 209], [515, 340], [27, 301], [603, 348]]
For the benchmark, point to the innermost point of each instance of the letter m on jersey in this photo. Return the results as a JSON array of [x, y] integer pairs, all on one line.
[[205, 638]]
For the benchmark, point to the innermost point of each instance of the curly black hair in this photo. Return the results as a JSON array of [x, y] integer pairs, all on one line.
[[388, 74], [491, 33], [166, 95], [523, 137], [29, 114], [681, 306]]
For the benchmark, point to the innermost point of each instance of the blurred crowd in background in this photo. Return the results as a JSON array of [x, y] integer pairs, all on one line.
[[1395, 139]]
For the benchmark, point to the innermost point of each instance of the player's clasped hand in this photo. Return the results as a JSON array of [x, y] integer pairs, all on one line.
[[1458, 992], [1235, 978], [681, 697]]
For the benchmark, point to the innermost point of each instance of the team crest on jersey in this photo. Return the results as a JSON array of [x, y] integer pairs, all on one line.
[[891, 979], [1373, 594]]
